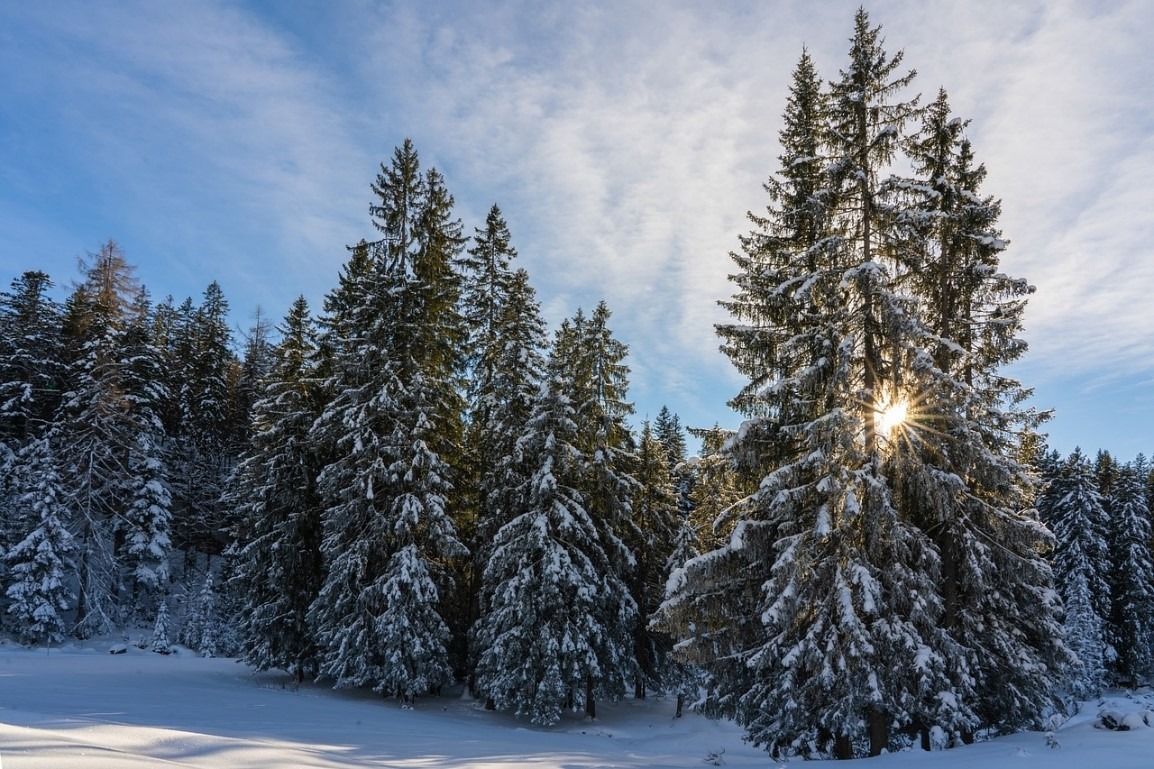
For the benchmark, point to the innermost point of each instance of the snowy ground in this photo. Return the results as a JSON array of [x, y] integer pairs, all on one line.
[[82, 707]]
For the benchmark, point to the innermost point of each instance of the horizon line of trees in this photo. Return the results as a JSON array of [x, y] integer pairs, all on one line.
[[420, 484]]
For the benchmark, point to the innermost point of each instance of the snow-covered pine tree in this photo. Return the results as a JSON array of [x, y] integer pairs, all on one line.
[[274, 499], [201, 628], [394, 420], [144, 525], [39, 564], [961, 473], [1081, 571], [597, 387], [553, 607], [506, 344], [1132, 583], [667, 429], [203, 448], [97, 429], [170, 339], [684, 680], [160, 642], [657, 526], [669, 432], [31, 366], [715, 488], [1106, 470], [250, 378], [840, 580]]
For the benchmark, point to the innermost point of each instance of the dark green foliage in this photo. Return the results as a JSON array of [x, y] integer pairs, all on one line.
[[556, 619], [278, 509], [858, 590], [390, 437], [40, 562], [1132, 575], [31, 365]]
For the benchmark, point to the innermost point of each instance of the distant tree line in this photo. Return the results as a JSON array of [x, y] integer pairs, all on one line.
[[421, 484]]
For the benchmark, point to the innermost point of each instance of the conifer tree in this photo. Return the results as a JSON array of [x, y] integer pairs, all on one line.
[[961, 473], [597, 387], [864, 548], [507, 340], [40, 563], [31, 366], [251, 373], [279, 569], [145, 524], [392, 428], [1080, 568], [1132, 583], [667, 429], [160, 642], [203, 452], [553, 606], [715, 489], [820, 333], [98, 426], [669, 432], [202, 629], [658, 524]]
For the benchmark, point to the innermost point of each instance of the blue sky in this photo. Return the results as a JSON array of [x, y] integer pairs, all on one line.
[[624, 141]]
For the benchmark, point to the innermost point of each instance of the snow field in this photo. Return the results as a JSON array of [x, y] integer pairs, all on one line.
[[78, 706]]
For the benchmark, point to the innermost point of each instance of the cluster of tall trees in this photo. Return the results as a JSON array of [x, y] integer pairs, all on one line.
[[1100, 513], [436, 490], [119, 423], [417, 485], [421, 484], [886, 577]]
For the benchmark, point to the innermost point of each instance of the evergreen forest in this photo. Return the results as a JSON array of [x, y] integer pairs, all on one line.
[[420, 484]]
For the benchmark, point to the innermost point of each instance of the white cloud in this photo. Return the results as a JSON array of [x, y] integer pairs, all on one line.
[[624, 142]]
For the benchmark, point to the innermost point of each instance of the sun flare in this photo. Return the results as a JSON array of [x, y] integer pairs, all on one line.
[[891, 417]]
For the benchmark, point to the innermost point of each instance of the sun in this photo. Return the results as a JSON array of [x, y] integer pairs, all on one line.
[[891, 416]]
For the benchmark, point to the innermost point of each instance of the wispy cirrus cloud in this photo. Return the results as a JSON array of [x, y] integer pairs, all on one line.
[[624, 142], [196, 136]]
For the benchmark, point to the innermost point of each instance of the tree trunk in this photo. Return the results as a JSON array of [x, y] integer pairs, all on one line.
[[842, 747], [680, 705], [590, 703], [879, 731]]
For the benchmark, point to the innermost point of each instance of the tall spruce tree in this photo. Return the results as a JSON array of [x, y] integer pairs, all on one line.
[[98, 427], [819, 333], [204, 450], [597, 387], [864, 548], [394, 425], [31, 368], [144, 526], [40, 561], [506, 345], [1132, 572], [1081, 570], [553, 607], [658, 524], [962, 473], [279, 569]]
